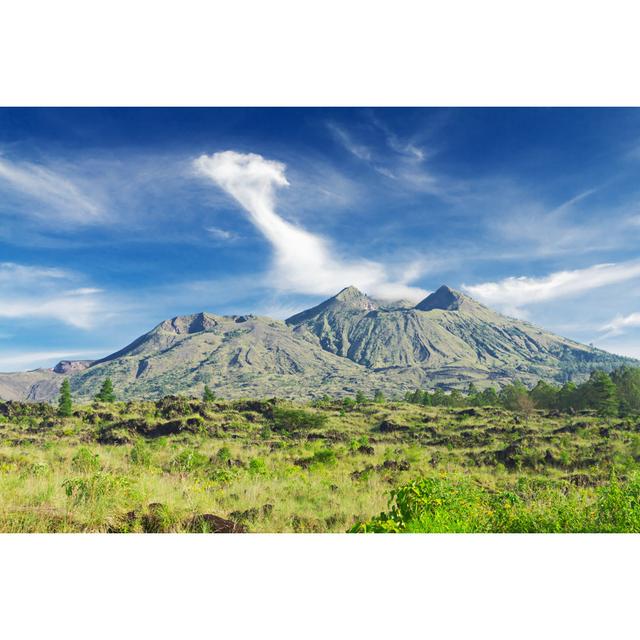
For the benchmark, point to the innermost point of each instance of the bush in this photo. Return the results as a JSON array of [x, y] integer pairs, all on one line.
[[140, 454], [189, 460], [324, 456], [95, 487], [85, 461], [285, 419], [224, 454], [257, 467], [435, 505]]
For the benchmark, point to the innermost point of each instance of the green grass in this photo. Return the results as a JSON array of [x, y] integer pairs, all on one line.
[[274, 466]]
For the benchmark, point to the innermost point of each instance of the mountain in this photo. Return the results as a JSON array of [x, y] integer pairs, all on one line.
[[348, 342], [450, 338]]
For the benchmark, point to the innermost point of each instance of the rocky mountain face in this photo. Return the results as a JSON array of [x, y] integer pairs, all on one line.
[[346, 343]]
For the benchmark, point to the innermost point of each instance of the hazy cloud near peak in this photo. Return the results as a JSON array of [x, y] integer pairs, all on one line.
[[513, 293], [620, 323], [303, 262]]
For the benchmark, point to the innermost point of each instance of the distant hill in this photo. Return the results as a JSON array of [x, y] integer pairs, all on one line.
[[346, 343]]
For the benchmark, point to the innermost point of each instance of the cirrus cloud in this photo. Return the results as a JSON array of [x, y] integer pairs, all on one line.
[[620, 323], [513, 293], [304, 262], [28, 291], [56, 195]]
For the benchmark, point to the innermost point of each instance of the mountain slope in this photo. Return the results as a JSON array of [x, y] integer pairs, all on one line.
[[235, 355], [346, 343], [445, 332]]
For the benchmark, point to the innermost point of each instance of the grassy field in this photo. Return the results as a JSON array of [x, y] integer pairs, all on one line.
[[178, 465]]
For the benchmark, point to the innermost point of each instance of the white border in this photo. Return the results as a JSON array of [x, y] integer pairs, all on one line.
[[334, 52], [318, 586]]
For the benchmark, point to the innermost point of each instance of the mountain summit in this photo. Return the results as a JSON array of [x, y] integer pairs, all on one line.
[[347, 343], [444, 298], [350, 298]]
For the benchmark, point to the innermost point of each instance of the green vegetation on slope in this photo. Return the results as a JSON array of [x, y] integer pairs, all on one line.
[[617, 394], [181, 464]]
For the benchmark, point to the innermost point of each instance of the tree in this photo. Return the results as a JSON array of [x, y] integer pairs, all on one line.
[[568, 397], [106, 393], [378, 396], [360, 397], [524, 404], [414, 396], [544, 395], [65, 406], [439, 398], [348, 403], [510, 395], [601, 394], [208, 395], [473, 395], [489, 398], [627, 381]]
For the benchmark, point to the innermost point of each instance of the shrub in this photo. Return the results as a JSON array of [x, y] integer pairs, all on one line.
[[94, 487], [189, 460], [140, 454], [285, 419], [257, 467], [224, 454], [433, 505], [85, 461], [324, 456]]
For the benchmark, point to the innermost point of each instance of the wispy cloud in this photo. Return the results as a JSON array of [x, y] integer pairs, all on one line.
[[360, 151], [513, 293], [400, 161], [43, 359], [529, 225], [222, 235], [303, 262], [41, 292], [620, 323], [51, 193]]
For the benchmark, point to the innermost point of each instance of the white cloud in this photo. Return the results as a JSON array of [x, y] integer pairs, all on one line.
[[61, 196], [513, 293], [360, 151], [620, 323], [399, 161], [38, 359], [221, 234], [42, 292], [303, 262]]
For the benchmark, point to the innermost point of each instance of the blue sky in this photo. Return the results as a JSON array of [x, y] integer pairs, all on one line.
[[115, 219]]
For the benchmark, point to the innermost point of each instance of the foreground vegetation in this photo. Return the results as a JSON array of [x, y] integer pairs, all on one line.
[[181, 464]]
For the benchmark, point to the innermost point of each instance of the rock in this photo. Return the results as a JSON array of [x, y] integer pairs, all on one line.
[[366, 450], [468, 412], [72, 366], [210, 523], [395, 465], [386, 426]]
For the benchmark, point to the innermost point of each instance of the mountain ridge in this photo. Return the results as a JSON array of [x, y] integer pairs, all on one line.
[[347, 342]]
